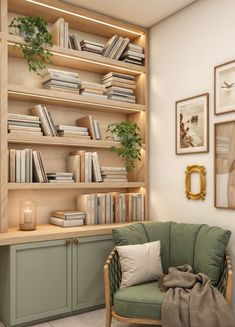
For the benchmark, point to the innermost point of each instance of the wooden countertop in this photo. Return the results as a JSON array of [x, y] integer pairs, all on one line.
[[49, 232]]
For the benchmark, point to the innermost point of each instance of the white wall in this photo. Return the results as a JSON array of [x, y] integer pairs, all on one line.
[[183, 52]]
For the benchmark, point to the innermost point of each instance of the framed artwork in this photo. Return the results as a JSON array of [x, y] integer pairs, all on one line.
[[192, 124], [224, 88], [225, 165]]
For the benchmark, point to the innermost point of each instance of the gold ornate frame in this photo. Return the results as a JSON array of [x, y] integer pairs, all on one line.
[[201, 170]]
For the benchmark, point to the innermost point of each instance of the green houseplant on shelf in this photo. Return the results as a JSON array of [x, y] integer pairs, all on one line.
[[129, 147], [37, 40]]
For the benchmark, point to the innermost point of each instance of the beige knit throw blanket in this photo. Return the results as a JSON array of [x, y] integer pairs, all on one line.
[[191, 301]]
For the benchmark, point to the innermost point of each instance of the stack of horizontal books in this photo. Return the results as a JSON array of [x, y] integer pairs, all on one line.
[[26, 166], [93, 47], [93, 89], [61, 80], [18, 123], [92, 125], [134, 54], [115, 47], [60, 177], [120, 87], [47, 124], [72, 131], [114, 174], [67, 218], [107, 208]]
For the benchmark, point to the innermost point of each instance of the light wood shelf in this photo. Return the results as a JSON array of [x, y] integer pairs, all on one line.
[[59, 141], [48, 186], [48, 232], [70, 99], [78, 18], [80, 60]]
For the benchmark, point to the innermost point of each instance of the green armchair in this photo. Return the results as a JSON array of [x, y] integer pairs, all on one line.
[[201, 246]]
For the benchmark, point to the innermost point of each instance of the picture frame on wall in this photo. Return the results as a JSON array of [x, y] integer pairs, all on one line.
[[224, 88], [192, 131], [224, 169]]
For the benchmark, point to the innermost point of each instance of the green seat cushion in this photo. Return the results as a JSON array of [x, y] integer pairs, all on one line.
[[128, 235], [142, 301], [210, 248], [182, 243], [160, 231]]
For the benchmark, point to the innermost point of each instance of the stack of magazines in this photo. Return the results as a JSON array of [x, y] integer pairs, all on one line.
[[67, 218], [114, 174], [120, 87], [60, 80]]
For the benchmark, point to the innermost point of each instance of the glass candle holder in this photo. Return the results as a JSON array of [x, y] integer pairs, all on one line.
[[28, 215]]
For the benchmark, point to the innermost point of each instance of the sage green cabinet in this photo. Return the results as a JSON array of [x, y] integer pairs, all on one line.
[[88, 261], [53, 278]]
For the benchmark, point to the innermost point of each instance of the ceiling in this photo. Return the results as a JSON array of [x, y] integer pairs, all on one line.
[[144, 13]]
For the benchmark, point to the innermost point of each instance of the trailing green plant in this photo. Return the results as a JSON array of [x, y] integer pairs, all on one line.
[[129, 145], [37, 40]]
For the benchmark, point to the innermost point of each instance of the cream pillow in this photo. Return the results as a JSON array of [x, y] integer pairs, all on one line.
[[140, 263]]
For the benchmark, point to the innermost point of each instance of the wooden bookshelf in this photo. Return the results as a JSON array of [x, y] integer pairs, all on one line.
[[20, 90], [46, 186]]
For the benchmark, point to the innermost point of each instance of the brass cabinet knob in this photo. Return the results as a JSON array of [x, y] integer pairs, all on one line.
[[76, 241], [67, 242]]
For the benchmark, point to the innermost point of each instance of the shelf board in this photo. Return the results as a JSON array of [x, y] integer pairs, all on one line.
[[59, 141], [80, 60], [70, 99], [80, 19], [48, 232], [61, 186]]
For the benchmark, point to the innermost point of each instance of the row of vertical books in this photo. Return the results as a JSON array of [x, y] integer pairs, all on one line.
[[117, 47], [114, 207], [25, 166]]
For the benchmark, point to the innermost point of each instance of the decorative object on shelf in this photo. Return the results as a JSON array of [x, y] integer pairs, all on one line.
[[224, 88], [192, 134], [195, 169], [28, 215], [37, 38], [129, 148], [225, 165]]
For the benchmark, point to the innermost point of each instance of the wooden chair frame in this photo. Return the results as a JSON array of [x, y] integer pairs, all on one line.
[[112, 280]]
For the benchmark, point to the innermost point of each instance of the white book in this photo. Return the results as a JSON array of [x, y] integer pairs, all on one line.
[[57, 76], [96, 129], [101, 208], [18, 170], [76, 42], [111, 168], [12, 116], [71, 128], [66, 223], [38, 177], [50, 70], [66, 35], [138, 211], [85, 203], [108, 208], [22, 166], [142, 213], [96, 166], [134, 207], [73, 166]]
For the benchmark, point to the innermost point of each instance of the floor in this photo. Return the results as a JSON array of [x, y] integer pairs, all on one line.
[[91, 319]]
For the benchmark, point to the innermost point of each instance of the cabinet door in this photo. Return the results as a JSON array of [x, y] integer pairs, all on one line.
[[89, 256], [40, 280]]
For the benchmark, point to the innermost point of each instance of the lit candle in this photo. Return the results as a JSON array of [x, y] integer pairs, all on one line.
[[28, 215]]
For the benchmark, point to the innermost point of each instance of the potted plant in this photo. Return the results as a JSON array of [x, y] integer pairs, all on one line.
[[128, 149], [37, 40]]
